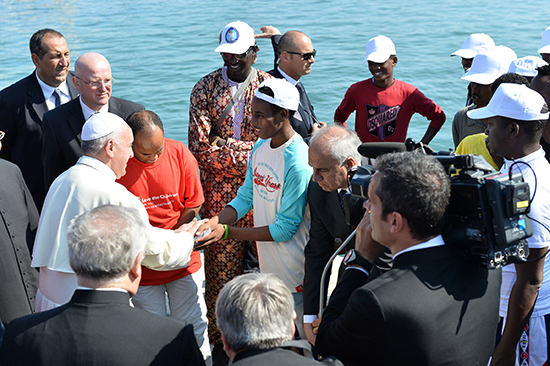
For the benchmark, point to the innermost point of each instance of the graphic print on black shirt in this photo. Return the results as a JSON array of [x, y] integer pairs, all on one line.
[[382, 120]]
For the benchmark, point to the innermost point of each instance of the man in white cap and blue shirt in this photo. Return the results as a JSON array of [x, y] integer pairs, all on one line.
[[487, 66], [275, 187], [107, 146], [516, 117]]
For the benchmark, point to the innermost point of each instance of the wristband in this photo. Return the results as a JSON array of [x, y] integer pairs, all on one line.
[[226, 228]]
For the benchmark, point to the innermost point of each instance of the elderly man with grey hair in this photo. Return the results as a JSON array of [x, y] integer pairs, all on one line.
[[332, 154], [107, 146], [254, 313], [105, 248]]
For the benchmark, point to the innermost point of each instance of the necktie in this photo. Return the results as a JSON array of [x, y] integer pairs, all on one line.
[[57, 99], [341, 193]]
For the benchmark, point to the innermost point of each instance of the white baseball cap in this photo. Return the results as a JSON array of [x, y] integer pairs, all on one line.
[[488, 65], [285, 95], [379, 49], [516, 101], [527, 66], [236, 38], [545, 42], [100, 125], [474, 44]]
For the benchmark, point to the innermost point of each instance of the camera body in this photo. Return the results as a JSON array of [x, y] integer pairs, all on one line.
[[487, 215]]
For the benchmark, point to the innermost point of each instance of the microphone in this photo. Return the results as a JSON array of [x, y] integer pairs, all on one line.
[[375, 149]]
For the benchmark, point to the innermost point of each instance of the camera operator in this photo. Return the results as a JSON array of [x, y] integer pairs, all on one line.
[[433, 307], [516, 117]]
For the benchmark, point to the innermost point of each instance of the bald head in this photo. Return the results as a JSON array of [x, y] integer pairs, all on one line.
[[93, 79], [292, 47]]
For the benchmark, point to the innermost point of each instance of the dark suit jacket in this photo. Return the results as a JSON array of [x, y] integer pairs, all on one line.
[[99, 328], [327, 223], [432, 308], [303, 119], [22, 106], [62, 129], [18, 223], [275, 357]]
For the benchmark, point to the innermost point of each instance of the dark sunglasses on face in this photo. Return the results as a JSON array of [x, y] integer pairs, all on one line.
[[242, 56], [306, 56]]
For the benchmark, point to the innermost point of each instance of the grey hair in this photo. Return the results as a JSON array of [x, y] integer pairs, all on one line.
[[342, 142], [94, 147], [105, 242], [255, 311]]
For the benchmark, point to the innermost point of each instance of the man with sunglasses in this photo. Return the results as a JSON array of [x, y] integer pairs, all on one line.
[[62, 126], [294, 57], [221, 137], [25, 102]]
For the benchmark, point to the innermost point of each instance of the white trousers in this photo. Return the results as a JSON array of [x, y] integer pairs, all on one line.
[[186, 304]]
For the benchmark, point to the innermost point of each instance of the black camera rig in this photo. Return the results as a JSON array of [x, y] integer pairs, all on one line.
[[487, 215]]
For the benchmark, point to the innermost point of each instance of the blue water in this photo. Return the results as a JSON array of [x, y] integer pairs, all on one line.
[[159, 49]]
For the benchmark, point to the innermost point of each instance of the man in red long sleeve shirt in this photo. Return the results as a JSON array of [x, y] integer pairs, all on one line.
[[384, 105]]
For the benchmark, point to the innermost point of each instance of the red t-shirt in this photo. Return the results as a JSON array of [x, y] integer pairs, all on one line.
[[383, 114], [165, 188]]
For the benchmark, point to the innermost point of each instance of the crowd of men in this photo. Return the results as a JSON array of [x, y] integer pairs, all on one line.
[[100, 238]]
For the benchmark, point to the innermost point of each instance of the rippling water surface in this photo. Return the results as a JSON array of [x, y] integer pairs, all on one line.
[[159, 49]]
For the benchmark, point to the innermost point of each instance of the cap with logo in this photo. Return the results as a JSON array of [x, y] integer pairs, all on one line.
[[379, 49], [236, 38], [527, 66], [516, 101]]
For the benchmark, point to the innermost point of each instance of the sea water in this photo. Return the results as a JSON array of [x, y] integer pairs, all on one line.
[[159, 49]]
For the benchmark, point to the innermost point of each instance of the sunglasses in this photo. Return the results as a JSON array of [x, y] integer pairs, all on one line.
[[242, 56], [306, 56]]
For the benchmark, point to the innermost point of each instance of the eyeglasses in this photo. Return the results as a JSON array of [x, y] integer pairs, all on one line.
[[97, 83], [306, 56], [242, 56], [2, 134]]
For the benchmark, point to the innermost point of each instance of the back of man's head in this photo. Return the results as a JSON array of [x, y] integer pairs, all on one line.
[[508, 78], [417, 186], [255, 311], [105, 242], [144, 122], [338, 142]]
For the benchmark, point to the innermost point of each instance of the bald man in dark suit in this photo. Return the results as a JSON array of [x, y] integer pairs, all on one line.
[[62, 126]]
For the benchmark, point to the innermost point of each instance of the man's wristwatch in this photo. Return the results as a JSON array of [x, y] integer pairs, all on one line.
[[353, 257]]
